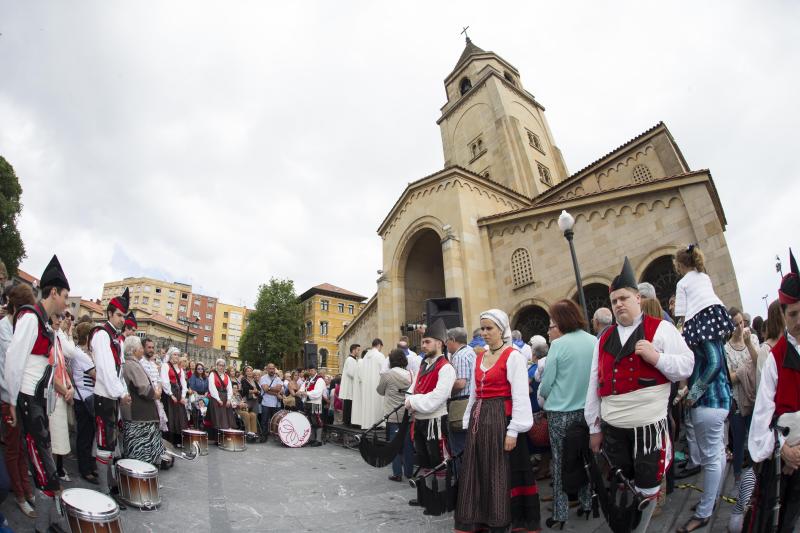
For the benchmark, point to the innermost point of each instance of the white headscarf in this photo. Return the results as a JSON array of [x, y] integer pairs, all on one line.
[[500, 318]]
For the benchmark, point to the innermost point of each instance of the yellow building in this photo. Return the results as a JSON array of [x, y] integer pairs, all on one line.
[[327, 310], [151, 295], [229, 324]]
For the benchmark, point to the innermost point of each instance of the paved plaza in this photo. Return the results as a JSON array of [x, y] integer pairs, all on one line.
[[273, 488]]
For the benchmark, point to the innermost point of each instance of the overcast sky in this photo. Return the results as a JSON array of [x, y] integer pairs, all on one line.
[[223, 143]]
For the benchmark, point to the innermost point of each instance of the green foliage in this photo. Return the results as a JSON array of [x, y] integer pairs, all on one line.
[[275, 327], [12, 250]]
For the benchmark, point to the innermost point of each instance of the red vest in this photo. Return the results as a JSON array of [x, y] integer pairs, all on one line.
[[312, 382], [619, 369], [114, 341], [221, 384], [787, 390], [494, 382], [174, 375], [44, 340], [428, 378]]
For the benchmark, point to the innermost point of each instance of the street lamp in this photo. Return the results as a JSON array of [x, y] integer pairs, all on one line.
[[565, 223], [189, 324], [765, 301], [778, 265]]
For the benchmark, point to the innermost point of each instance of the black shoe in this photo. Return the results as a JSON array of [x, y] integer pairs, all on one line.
[[55, 528], [315, 443], [396, 478], [91, 478], [587, 513], [414, 503], [687, 472], [553, 524]]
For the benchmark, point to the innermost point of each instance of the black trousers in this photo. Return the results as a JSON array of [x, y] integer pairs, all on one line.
[[266, 416], [347, 412], [32, 412], [84, 419]]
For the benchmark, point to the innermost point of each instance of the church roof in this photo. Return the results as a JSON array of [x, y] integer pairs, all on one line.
[[469, 50]]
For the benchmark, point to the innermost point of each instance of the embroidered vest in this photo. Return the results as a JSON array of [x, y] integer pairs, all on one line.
[[619, 369], [429, 376], [787, 390], [493, 383]]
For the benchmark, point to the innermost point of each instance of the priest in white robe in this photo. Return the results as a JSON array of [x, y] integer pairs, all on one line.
[[349, 374], [369, 372]]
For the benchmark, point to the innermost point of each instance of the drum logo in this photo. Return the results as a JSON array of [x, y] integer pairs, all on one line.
[[290, 436]]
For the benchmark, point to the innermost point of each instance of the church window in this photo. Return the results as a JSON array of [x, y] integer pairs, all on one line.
[[544, 174], [465, 85], [521, 269], [642, 174], [476, 148], [535, 141], [509, 78]]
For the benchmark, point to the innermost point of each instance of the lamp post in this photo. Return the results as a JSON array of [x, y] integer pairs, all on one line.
[[766, 304], [189, 324], [778, 265], [565, 223]]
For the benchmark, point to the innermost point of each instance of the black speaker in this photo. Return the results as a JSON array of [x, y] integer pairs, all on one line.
[[310, 355], [448, 309]]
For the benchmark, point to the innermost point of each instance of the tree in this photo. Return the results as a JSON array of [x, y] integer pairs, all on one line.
[[12, 250], [275, 327]]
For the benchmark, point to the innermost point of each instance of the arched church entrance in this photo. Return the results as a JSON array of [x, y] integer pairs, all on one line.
[[661, 273], [596, 295], [423, 275], [532, 320]]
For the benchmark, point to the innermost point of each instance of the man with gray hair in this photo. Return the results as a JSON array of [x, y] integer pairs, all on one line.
[[646, 290], [462, 357], [516, 338], [601, 320]]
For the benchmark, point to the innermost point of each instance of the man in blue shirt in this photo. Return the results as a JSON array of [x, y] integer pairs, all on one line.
[[462, 357], [272, 385]]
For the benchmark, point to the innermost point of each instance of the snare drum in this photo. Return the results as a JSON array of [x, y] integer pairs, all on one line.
[[291, 427], [193, 436], [138, 483], [231, 440], [89, 511]]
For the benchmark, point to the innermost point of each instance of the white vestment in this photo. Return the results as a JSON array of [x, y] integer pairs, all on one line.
[[369, 374], [348, 378], [355, 414]]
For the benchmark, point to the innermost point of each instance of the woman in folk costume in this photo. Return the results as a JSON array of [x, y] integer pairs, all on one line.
[[497, 487], [220, 391], [778, 402], [427, 402], [173, 383]]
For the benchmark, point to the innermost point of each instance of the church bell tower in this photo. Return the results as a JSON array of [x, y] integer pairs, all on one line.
[[492, 126]]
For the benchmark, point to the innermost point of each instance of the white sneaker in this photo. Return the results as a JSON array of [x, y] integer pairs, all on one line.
[[26, 509], [65, 478]]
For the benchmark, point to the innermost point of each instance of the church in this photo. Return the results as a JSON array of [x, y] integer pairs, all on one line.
[[484, 228]]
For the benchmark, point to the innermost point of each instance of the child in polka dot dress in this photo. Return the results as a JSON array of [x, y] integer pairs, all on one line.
[[706, 323]]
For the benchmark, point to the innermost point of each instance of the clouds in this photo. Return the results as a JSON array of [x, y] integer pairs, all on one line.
[[222, 144]]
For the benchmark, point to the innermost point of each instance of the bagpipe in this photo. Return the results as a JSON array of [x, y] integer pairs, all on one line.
[[615, 494], [381, 453]]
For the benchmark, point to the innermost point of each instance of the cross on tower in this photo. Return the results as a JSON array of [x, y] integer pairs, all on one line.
[[464, 32]]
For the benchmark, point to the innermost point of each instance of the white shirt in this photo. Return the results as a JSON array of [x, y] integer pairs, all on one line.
[[647, 405], [212, 386], [6, 334], [79, 365], [434, 403], [315, 392], [166, 386], [414, 361], [527, 352], [761, 440], [348, 378], [517, 376], [108, 383], [694, 293], [22, 370]]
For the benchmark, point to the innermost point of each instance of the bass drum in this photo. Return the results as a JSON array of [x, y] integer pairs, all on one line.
[[291, 427]]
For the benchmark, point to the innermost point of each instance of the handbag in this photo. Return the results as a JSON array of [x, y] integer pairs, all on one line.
[[455, 413], [539, 434]]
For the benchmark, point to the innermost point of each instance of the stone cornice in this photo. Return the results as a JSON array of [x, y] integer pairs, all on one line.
[[446, 112], [630, 196], [451, 176]]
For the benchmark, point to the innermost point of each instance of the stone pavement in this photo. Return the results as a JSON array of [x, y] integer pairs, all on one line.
[[272, 488]]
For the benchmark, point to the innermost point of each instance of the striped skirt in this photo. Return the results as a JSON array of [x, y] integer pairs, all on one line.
[[496, 488], [142, 441]]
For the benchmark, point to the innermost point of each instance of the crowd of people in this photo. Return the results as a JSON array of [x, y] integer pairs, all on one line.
[[639, 397]]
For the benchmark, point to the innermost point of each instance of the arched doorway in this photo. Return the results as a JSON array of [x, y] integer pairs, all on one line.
[[596, 295], [532, 320], [424, 273], [661, 273]]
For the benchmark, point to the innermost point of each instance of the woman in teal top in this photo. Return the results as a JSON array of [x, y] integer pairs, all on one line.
[[563, 387]]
